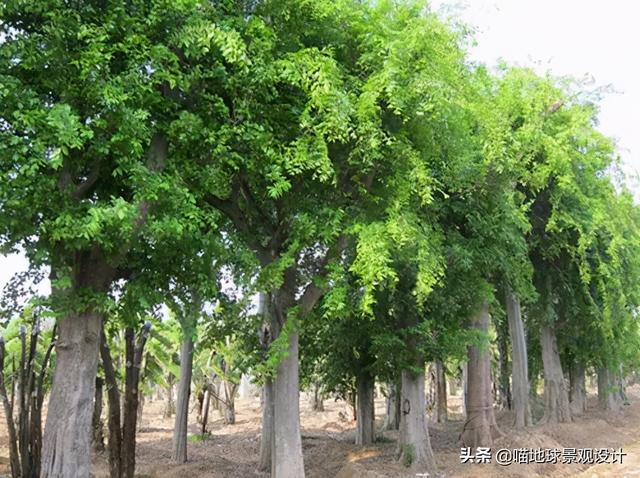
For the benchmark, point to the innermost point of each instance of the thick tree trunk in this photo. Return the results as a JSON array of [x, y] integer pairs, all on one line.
[[266, 436], [441, 392], [414, 446], [67, 439], [609, 397], [96, 422], [365, 420], [556, 395], [519, 363], [480, 428], [392, 415], [287, 461], [182, 408], [578, 390], [114, 417]]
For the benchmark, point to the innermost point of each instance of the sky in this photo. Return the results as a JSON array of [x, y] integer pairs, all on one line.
[[581, 38]]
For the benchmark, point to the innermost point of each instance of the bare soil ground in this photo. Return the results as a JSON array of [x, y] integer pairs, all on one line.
[[232, 451]]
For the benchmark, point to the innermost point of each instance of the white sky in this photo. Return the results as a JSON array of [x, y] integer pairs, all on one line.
[[566, 37]]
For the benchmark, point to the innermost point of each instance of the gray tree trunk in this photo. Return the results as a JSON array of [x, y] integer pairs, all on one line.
[[182, 408], [414, 446], [609, 397], [286, 459], [519, 363], [170, 407], [96, 422], [392, 401], [317, 402], [578, 389], [556, 395], [266, 436], [441, 393], [365, 410], [67, 438], [480, 428], [229, 403]]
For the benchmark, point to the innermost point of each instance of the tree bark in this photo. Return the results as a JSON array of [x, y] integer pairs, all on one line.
[[609, 397], [134, 354], [480, 427], [97, 424], [287, 461], [317, 403], [556, 395], [519, 363], [67, 439], [414, 446], [392, 402], [182, 408], [267, 435], [504, 388], [578, 390], [205, 412], [114, 417], [229, 403], [441, 392], [170, 407], [365, 420]]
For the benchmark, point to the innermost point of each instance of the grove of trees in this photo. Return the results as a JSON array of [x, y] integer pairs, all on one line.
[[321, 195]]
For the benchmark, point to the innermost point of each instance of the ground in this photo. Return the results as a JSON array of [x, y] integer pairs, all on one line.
[[232, 451]]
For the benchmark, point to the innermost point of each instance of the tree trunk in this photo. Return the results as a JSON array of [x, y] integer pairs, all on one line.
[[317, 403], [504, 388], [67, 439], [96, 421], [414, 446], [205, 412], [480, 428], [266, 436], [134, 355], [609, 397], [114, 417], [441, 392], [392, 416], [465, 387], [287, 461], [365, 421], [578, 391], [519, 365], [556, 395], [229, 403], [182, 409], [170, 407]]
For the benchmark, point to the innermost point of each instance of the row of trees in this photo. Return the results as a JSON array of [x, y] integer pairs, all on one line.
[[382, 194]]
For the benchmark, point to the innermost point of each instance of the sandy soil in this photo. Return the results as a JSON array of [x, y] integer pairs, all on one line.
[[232, 451]]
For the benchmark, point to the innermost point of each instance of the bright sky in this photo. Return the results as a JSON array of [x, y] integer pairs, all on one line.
[[566, 37]]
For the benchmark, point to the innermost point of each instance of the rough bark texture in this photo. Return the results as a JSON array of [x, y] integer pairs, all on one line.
[[392, 402], [556, 395], [229, 402], [365, 419], [96, 422], [414, 446], [67, 439], [578, 389], [441, 392], [519, 363], [182, 408], [480, 427]]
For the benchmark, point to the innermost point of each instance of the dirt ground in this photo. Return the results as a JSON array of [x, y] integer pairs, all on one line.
[[327, 438]]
